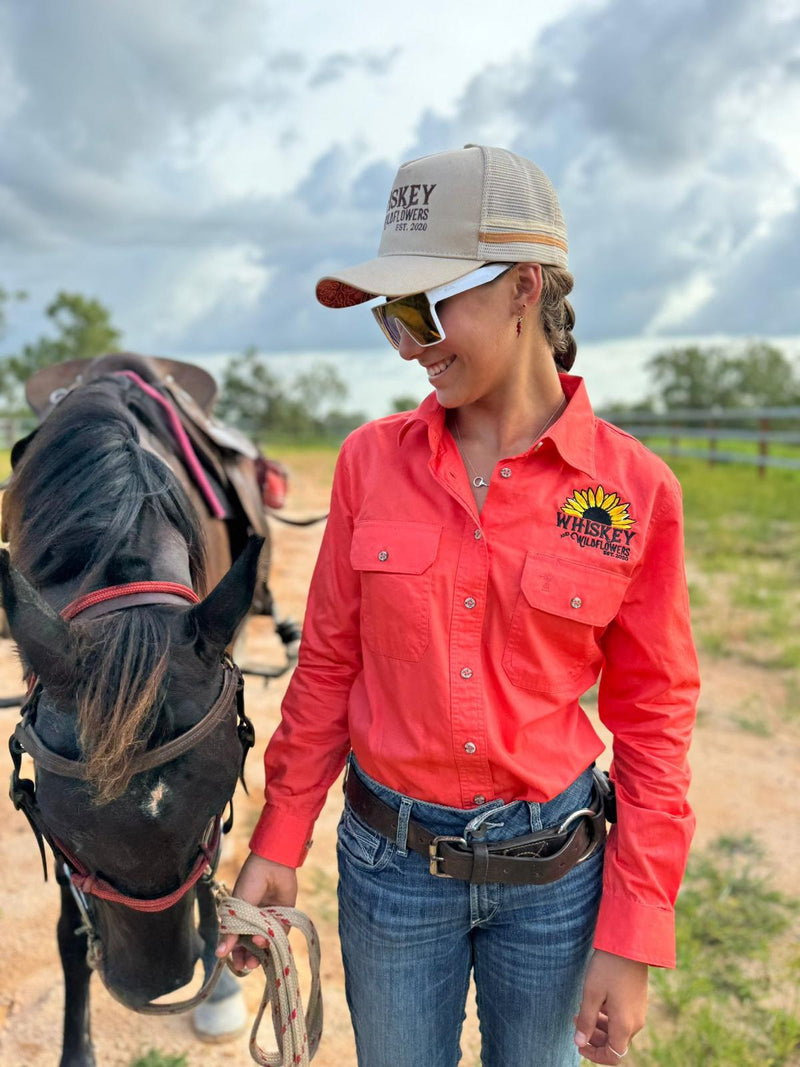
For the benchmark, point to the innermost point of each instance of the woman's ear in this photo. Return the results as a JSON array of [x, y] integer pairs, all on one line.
[[528, 285]]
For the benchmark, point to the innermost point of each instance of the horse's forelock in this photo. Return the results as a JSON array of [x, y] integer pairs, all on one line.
[[119, 692]]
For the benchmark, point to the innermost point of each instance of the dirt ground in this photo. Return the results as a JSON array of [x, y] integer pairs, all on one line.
[[744, 782]]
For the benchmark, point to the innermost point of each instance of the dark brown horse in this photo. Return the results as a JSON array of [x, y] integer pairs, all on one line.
[[97, 501]]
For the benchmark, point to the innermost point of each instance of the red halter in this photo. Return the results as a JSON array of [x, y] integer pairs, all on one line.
[[144, 593]]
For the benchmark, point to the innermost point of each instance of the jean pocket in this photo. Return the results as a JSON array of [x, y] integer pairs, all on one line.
[[361, 845]]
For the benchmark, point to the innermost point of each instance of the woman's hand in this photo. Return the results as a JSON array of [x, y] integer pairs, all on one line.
[[260, 882], [613, 1008]]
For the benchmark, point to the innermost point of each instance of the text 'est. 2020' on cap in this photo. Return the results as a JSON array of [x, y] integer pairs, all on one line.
[[450, 213]]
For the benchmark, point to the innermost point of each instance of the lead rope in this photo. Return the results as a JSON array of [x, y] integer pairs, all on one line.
[[297, 1031]]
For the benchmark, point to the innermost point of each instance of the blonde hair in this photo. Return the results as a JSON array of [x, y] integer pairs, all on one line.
[[557, 316]]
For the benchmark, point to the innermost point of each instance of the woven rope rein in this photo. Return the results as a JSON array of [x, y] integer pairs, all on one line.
[[297, 1031]]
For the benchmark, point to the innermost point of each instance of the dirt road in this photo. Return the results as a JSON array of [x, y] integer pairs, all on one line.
[[743, 782]]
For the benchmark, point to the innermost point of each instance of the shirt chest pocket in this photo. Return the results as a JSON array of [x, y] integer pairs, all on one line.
[[561, 611], [395, 560]]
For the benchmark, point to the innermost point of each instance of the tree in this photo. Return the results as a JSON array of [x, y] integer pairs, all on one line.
[[693, 377], [251, 396], [317, 388], [83, 330], [756, 375], [765, 377], [5, 298], [406, 402], [262, 404]]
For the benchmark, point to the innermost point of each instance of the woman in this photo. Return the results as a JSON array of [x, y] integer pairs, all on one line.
[[485, 556]]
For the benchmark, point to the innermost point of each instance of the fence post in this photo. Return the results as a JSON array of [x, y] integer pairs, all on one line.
[[763, 445], [712, 443]]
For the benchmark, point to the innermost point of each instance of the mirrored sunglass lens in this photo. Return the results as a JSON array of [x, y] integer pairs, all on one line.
[[414, 315]]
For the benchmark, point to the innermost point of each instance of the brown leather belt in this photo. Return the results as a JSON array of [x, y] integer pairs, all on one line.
[[535, 859]]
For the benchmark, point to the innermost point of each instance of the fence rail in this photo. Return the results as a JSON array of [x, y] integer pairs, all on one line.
[[715, 426], [662, 431]]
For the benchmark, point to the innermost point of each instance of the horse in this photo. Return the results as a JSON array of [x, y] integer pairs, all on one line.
[[132, 714]]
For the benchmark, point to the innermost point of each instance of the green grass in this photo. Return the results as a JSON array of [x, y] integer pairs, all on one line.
[[154, 1058], [663, 444], [733, 1000], [743, 547]]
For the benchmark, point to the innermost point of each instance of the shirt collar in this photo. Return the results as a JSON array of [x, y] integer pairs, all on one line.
[[572, 434]]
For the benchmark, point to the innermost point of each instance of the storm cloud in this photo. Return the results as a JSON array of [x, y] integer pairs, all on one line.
[[198, 171]]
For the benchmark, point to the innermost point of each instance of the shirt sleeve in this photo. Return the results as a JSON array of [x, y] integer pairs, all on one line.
[[308, 750], [647, 699]]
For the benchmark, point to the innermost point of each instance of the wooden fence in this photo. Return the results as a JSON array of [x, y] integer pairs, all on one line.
[[770, 436], [668, 433]]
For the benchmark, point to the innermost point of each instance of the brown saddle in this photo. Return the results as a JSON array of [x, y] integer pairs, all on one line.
[[235, 463]]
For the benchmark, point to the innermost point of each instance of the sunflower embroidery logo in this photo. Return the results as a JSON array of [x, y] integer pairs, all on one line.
[[595, 518]]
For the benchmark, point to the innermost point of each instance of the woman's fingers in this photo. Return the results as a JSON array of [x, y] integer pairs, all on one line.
[[261, 882]]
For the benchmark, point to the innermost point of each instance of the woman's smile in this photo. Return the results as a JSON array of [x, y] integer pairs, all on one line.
[[435, 369]]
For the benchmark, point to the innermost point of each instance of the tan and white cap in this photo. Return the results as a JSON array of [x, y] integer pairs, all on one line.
[[450, 213]]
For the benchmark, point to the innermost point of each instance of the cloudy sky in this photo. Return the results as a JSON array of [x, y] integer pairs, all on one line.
[[197, 165]]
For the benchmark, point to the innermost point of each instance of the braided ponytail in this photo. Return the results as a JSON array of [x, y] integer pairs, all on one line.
[[558, 318]]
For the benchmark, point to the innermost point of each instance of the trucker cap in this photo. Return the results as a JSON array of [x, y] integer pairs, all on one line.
[[450, 213]]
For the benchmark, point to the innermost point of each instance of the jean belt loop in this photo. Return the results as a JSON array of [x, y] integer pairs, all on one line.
[[403, 815], [536, 815]]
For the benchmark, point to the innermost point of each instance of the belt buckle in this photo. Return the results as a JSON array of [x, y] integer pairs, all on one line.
[[436, 859], [582, 813]]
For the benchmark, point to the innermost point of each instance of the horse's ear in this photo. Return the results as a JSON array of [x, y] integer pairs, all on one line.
[[216, 618], [42, 635]]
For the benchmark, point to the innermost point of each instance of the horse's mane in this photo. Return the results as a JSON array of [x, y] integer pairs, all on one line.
[[77, 497], [85, 482]]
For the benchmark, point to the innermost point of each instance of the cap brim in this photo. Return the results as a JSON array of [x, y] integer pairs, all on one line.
[[390, 276]]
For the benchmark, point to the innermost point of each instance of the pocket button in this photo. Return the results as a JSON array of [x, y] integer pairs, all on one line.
[[576, 602]]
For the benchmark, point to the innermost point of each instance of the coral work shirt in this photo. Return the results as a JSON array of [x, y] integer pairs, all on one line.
[[450, 648]]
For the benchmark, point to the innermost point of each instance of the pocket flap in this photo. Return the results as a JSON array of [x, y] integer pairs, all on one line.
[[573, 590], [394, 547]]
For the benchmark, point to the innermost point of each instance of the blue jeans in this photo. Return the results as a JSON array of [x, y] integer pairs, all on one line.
[[409, 940]]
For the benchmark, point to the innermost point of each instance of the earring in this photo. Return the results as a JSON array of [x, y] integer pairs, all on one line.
[[519, 323]]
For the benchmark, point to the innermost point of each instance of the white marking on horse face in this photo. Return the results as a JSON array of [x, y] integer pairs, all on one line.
[[152, 804]]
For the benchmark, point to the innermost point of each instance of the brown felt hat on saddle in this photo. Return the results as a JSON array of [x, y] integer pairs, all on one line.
[[44, 388], [450, 213]]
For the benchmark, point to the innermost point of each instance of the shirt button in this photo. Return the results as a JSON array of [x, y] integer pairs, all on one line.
[[505, 472], [470, 602], [479, 799], [383, 556], [466, 672], [575, 602], [477, 535], [469, 747]]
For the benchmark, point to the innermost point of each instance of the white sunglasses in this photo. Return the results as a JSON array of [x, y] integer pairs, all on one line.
[[416, 314]]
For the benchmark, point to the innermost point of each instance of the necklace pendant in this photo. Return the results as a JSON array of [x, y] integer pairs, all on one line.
[[479, 482]]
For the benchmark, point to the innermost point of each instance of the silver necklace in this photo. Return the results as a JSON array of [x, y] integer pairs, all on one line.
[[478, 480]]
